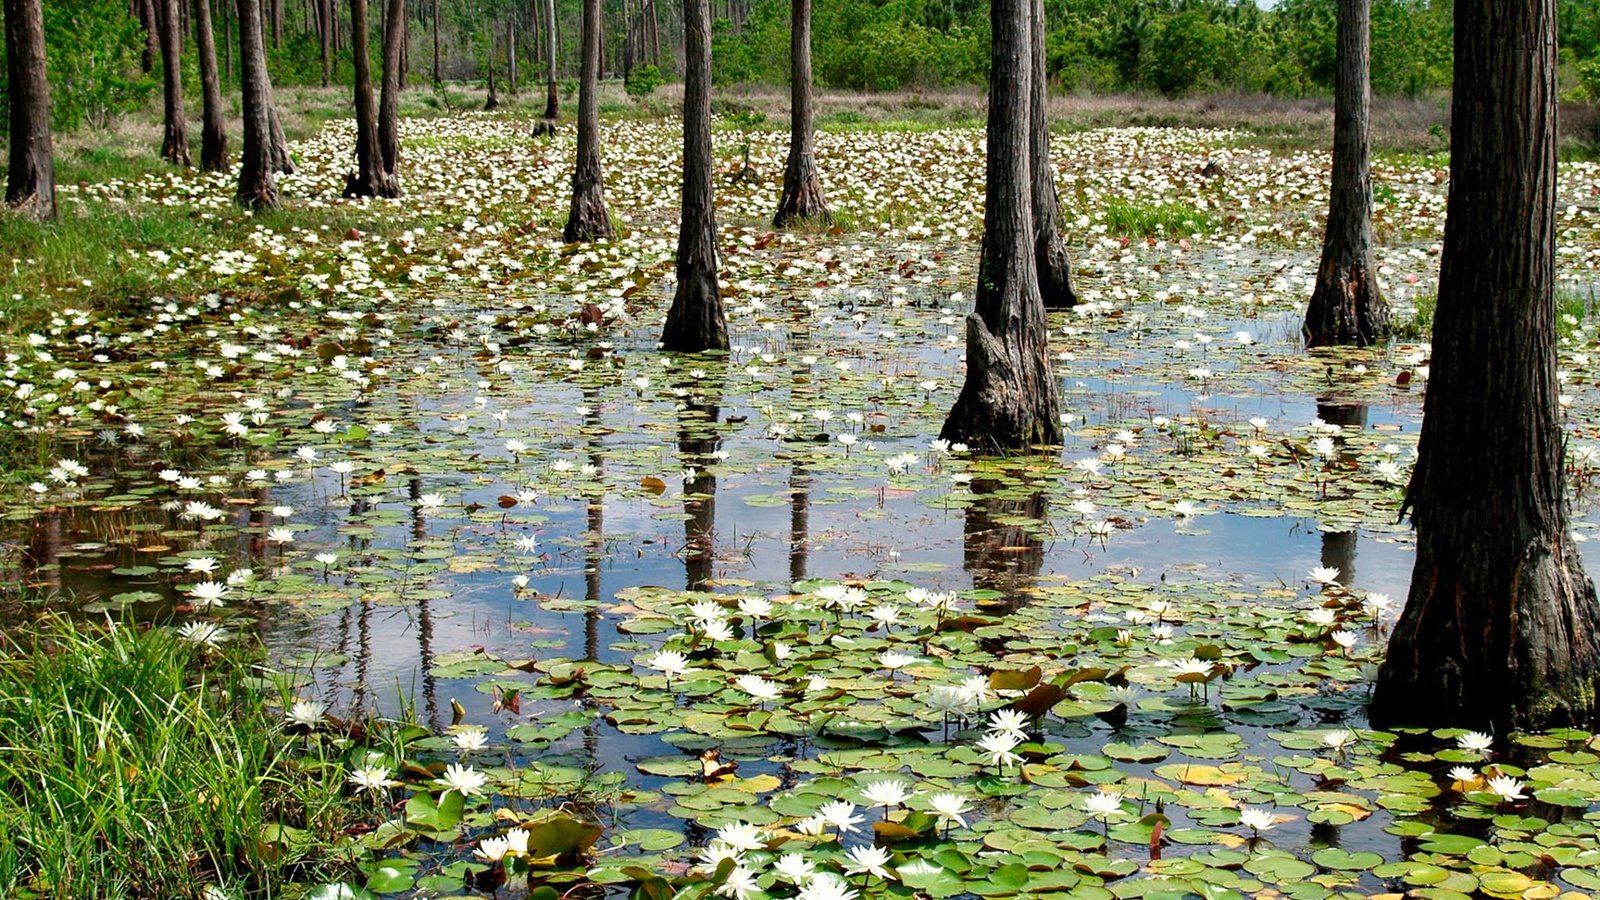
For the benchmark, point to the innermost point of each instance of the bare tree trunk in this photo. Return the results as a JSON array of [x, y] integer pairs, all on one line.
[[1502, 627], [282, 162], [437, 77], [404, 74], [655, 35], [552, 101], [394, 36], [325, 11], [1050, 252], [276, 7], [213, 136], [627, 41], [695, 322], [30, 170], [152, 35], [802, 197], [1009, 399], [493, 100], [511, 56], [175, 129], [370, 178], [1347, 305], [588, 220], [257, 189], [227, 39]]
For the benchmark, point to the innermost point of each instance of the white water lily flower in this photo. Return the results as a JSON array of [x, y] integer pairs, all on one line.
[[841, 814], [1475, 742], [1009, 721], [1338, 739], [307, 712], [868, 860], [373, 779], [759, 688], [1326, 576], [826, 886], [794, 868], [204, 634], [1463, 774], [464, 780], [1104, 805], [742, 836], [1000, 748], [468, 740], [1507, 787], [1257, 820], [949, 807], [739, 885], [491, 849], [888, 792]]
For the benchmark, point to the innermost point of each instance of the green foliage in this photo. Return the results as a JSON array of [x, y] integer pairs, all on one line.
[[643, 81], [129, 767], [92, 51]]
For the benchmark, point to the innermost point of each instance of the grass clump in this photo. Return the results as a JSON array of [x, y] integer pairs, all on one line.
[[1153, 219], [129, 767]]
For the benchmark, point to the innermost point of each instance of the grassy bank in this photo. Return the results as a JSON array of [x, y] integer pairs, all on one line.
[[134, 763]]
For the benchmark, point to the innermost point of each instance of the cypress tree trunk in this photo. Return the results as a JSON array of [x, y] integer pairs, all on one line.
[[175, 130], [695, 321], [511, 55], [493, 102], [1347, 306], [1050, 252], [30, 170], [587, 220], [552, 101], [257, 189], [802, 187], [227, 40], [213, 135], [437, 78], [394, 42], [1009, 398], [152, 35], [276, 9], [1501, 627], [281, 160], [370, 178]]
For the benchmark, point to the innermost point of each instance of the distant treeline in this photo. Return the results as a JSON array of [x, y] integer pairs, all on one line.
[[1174, 47]]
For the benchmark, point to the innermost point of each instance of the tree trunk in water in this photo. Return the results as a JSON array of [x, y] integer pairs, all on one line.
[[695, 321], [493, 101], [552, 100], [802, 197], [437, 75], [394, 37], [370, 178], [30, 171], [174, 130], [152, 32], [325, 11], [1502, 627], [257, 189], [1050, 252], [1347, 306], [1009, 398], [588, 220], [213, 136]]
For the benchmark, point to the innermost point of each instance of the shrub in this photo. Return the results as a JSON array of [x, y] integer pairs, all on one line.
[[644, 80]]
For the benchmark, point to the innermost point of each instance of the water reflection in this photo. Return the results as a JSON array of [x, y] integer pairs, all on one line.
[[698, 441], [799, 520], [1339, 552], [1001, 543]]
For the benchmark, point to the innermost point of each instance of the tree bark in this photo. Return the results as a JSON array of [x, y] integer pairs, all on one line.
[[30, 170], [257, 188], [213, 135], [802, 197], [493, 101], [588, 220], [695, 321], [1501, 627], [1050, 251], [282, 162], [1009, 399], [227, 39], [276, 8], [394, 37], [175, 129], [370, 179], [437, 77], [152, 35], [552, 100], [1347, 305], [325, 11], [511, 56]]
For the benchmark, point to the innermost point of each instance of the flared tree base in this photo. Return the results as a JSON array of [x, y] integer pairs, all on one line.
[[999, 409], [1347, 307], [258, 195], [1502, 648], [544, 128], [357, 185], [1055, 272], [802, 199], [588, 219], [695, 322]]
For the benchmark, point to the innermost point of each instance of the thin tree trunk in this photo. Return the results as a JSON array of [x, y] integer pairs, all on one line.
[[370, 178], [511, 56], [404, 74], [1502, 627], [1050, 251], [437, 80], [174, 128], [552, 100], [802, 197], [1009, 399], [227, 38], [1347, 305], [695, 322], [152, 35], [325, 12], [276, 7], [627, 41], [493, 100], [213, 136], [30, 170], [257, 188], [588, 220], [655, 35], [394, 36]]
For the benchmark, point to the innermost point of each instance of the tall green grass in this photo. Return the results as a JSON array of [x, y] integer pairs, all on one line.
[[130, 769]]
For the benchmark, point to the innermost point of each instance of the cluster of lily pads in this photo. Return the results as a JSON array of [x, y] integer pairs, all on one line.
[[443, 460]]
